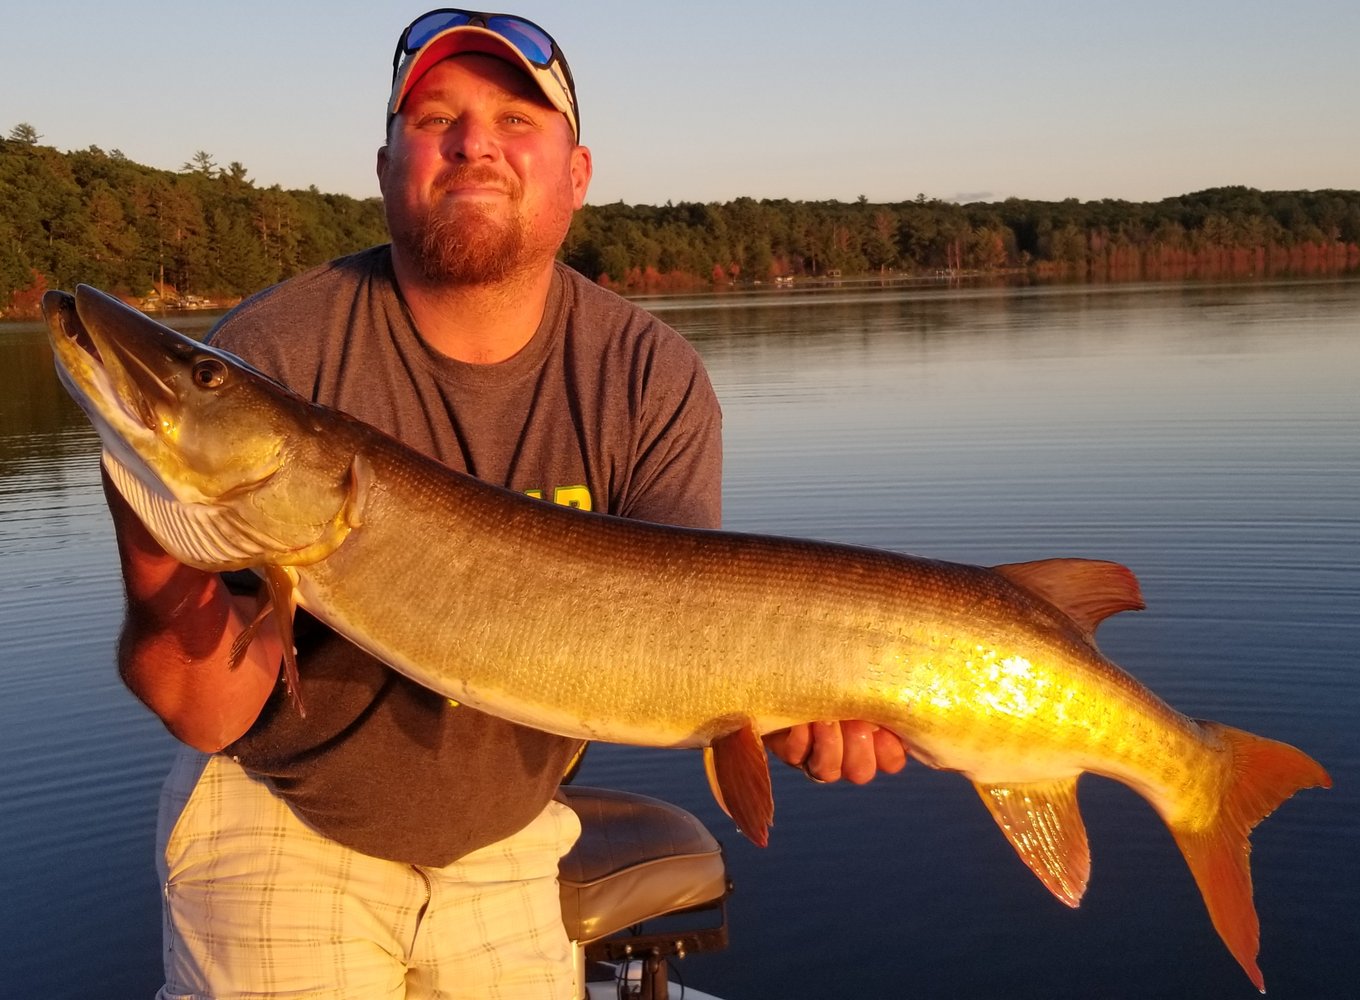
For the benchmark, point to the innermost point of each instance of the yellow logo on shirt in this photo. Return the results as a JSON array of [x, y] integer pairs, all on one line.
[[567, 496]]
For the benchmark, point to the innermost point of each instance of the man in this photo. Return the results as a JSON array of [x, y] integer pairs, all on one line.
[[392, 843]]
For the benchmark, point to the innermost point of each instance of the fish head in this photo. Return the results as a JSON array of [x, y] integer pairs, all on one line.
[[225, 466]]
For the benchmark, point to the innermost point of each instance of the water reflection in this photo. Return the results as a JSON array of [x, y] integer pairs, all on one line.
[[1206, 435]]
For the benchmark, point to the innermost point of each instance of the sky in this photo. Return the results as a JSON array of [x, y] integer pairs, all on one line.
[[709, 101]]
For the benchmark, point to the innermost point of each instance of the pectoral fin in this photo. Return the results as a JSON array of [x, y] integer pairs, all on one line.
[[277, 596], [739, 775], [1043, 824], [239, 645], [280, 581]]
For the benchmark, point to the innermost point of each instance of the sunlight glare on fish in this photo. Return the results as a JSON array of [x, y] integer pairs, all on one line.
[[1014, 687]]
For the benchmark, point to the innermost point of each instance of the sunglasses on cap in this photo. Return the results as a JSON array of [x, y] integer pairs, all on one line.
[[531, 42]]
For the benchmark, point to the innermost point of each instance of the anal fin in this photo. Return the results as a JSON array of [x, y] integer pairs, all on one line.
[[1044, 825], [739, 775]]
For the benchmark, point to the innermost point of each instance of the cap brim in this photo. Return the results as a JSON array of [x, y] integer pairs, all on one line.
[[468, 39]]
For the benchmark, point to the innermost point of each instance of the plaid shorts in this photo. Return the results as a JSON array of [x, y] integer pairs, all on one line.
[[258, 904]]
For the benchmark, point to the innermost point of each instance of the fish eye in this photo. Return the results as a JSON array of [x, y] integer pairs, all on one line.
[[209, 373]]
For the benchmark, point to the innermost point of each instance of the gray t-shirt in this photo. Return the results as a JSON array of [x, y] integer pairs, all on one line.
[[606, 408]]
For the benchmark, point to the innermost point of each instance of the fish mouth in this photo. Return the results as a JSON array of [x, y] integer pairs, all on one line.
[[140, 387], [75, 330], [122, 369], [119, 370], [91, 369]]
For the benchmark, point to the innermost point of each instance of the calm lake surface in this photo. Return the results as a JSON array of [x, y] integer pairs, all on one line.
[[1207, 436]]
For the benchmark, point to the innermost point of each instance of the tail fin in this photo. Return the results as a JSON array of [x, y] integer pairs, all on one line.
[[1264, 773]]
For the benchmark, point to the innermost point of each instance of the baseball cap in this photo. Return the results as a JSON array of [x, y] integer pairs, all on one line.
[[447, 32]]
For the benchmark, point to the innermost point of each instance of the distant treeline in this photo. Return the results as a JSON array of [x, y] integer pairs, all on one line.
[[1230, 231], [204, 233], [209, 234]]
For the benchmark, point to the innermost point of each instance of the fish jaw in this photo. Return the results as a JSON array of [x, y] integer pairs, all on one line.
[[118, 413], [226, 468]]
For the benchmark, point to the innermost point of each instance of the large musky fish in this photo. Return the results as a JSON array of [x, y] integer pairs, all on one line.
[[607, 629]]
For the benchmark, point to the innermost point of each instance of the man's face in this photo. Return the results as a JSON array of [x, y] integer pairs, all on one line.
[[480, 175]]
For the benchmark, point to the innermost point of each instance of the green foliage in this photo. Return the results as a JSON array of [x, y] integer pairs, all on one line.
[[24, 134], [1230, 230], [96, 217], [202, 163]]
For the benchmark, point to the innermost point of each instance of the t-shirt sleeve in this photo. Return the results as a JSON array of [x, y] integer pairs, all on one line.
[[677, 478]]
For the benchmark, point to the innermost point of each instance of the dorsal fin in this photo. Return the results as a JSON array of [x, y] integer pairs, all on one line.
[[1086, 590]]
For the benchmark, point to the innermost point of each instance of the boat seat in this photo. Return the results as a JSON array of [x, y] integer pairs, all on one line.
[[638, 858]]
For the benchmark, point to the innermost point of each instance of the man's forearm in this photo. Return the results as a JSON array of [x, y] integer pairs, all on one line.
[[175, 651], [181, 669]]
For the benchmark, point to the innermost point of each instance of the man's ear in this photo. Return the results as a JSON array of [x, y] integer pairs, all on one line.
[[581, 169], [382, 167]]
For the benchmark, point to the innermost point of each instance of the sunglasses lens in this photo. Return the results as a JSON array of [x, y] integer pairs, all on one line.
[[529, 39], [423, 30], [533, 43]]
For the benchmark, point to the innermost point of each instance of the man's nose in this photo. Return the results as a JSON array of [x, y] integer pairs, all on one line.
[[472, 140]]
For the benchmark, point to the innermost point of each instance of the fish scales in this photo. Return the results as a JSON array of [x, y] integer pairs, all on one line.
[[602, 628], [621, 601]]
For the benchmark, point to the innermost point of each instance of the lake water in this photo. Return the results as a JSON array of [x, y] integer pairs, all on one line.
[[1206, 435]]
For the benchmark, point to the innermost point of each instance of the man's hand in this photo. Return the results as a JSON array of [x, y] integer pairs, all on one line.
[[829, 751]]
